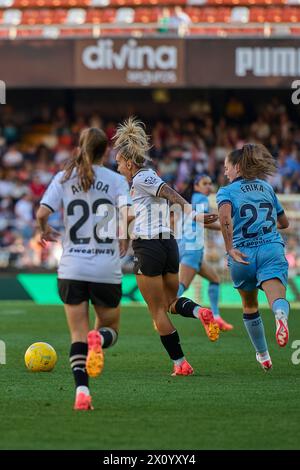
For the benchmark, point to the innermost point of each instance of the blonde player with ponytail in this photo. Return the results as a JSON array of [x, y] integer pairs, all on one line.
[[90, 269], [155, 249]]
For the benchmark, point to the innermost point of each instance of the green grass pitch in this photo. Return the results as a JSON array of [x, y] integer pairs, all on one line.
[[230, 403]]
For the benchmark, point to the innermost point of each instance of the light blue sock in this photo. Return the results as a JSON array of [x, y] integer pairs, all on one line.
[[255, 327], [281, 305], [181, 289], [213, 294]]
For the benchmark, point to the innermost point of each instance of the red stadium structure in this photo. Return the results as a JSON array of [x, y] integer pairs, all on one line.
[[92, 18]]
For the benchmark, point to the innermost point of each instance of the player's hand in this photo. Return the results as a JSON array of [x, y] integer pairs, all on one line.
[[123, 245], [49, 235], [210, 218], [238, 256]]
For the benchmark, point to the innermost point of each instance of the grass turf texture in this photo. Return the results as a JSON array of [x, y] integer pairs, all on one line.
[[230, 403]]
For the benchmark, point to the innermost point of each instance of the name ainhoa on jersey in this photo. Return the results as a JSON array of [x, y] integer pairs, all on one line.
[[98, 185]]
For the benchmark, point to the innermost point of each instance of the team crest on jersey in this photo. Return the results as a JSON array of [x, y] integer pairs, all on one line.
[[150, 180]]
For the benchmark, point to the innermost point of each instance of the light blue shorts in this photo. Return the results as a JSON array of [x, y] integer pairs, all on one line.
[[266, 262], [191, 258]]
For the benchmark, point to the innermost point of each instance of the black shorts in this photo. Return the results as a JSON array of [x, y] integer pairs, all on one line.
[[74, 292], [155, 257]]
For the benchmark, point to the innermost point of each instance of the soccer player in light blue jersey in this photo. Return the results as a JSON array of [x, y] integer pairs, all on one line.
[[250, 216], [191, 252]]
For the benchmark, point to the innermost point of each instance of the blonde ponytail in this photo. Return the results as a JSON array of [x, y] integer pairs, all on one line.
[[132, 141]]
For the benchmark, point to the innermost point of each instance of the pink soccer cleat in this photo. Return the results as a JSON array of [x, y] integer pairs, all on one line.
[[282, 330], [183, 369], [206, 317], [83, 402], [95, 357], [223, 325], [265, 362]]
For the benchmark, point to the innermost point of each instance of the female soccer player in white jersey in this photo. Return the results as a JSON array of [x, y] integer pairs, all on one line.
[[155, 249], [90, 268], [250, 216]]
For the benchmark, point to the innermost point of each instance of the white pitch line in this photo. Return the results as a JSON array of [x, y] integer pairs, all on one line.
[[12, 312]]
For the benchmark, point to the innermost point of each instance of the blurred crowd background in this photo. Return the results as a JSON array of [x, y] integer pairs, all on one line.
[[31, 152]]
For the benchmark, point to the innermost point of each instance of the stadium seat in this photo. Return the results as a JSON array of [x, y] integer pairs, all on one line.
[[12, 17], [146, 15], [124, 15], [76, 16], [97, 15], [6, 3], [31, 17], [257, 15], [274, 15], [99, 3], [291, 15], [196, 2], [239, 15], [215, 15]]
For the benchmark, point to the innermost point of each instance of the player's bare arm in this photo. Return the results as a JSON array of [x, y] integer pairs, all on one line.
[[175, 198], [227, 232], [47, 233], [214, 226], [126, 221], [282, 221]]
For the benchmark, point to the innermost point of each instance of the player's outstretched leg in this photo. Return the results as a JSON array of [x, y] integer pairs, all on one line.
[[109, 336], [275, 290], [255, 328], [95, 357], [187, 308], [78, 355], [281, 309], [214, 294]]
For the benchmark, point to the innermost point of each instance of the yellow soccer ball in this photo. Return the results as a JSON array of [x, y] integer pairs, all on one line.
[[40, 357]]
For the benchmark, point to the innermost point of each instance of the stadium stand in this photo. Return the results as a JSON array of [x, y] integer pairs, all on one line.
[[33, 149], [73, 18]]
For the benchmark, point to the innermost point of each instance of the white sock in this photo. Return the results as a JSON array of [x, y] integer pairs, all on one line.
[[82, 389], [196, 311], [178, 362]]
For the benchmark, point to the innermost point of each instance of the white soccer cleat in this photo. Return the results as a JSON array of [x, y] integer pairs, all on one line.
[[282, 330], [264, 360]]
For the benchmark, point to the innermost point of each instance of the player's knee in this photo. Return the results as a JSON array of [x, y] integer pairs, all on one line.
[[215, 279], [171, 306], [109, 336], [250, 305]]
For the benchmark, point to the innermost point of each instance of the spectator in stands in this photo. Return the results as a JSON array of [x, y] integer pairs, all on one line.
[[24, 216], [182, 147], [12, 158]]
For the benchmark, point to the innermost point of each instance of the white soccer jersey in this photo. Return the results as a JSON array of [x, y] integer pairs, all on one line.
[[152, 215], [90, 246]]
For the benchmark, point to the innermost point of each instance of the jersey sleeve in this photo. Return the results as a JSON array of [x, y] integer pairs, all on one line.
[[123, 197], [54, 194], [149, 183], [278, 206], [223, 197]]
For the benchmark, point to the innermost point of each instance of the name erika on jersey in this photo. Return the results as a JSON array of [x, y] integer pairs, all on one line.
[[252, 187]]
